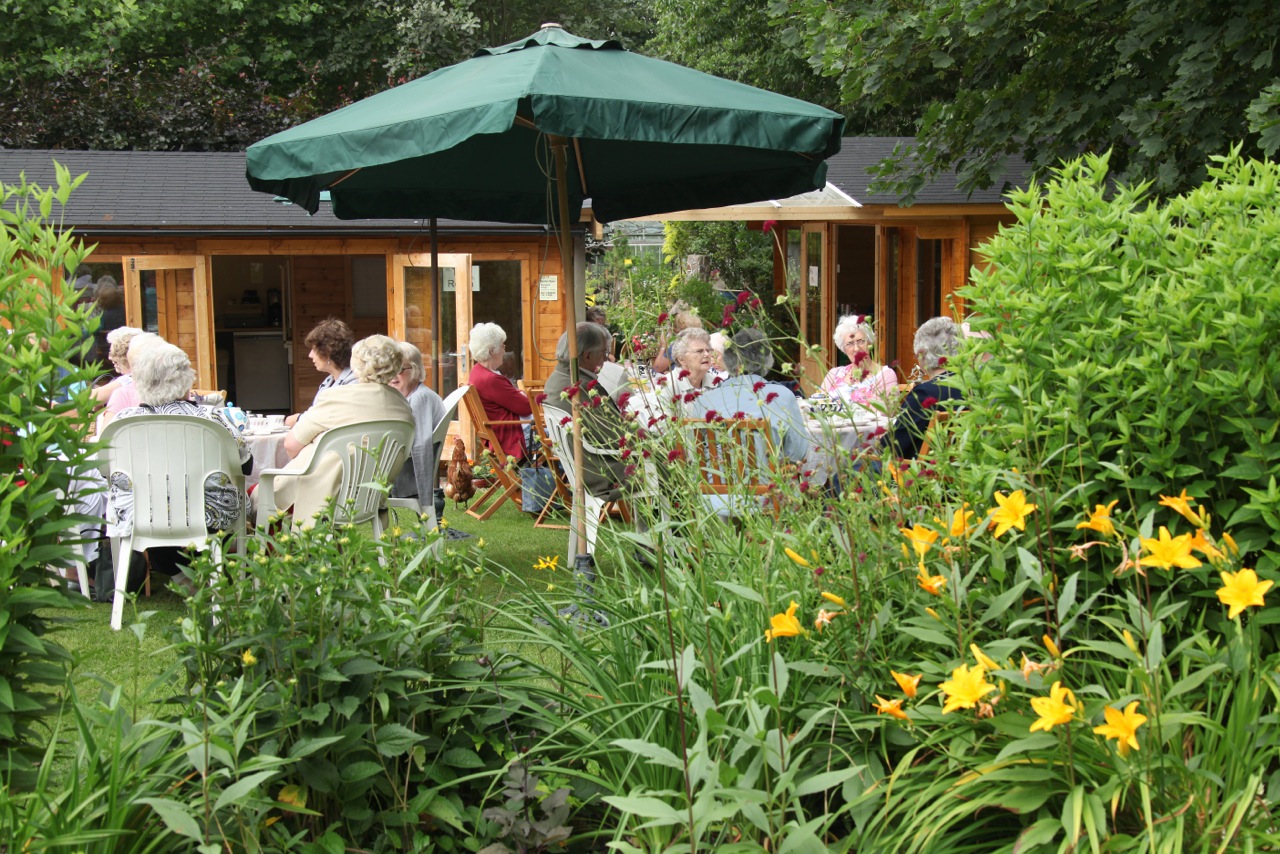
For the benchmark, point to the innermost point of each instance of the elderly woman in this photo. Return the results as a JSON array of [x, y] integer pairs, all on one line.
[[376, 361], [863, 381], [124, 351], [694, 363], [162, 375], [682, 318], [748, 358], [330, 351], [936, 342], [502, 400], [415, 481]]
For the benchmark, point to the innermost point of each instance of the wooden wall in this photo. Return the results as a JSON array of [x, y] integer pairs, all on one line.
[[321, 289]]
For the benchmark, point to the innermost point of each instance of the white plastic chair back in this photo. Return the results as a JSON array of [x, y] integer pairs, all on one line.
[[561, 442], [432, 460], [167, 459], [373, 451]]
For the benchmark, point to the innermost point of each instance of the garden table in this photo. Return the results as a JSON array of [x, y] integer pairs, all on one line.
[[268, 452], [836, 436]]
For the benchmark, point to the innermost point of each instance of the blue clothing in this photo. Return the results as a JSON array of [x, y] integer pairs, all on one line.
[[913, 420], [347, 377], [738, 395]]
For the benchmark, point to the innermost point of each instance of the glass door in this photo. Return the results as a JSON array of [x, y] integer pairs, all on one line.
[[813, 307], [414, 312], [169, 295]]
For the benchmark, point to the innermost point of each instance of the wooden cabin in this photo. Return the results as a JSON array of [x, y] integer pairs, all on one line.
[[842, 250], [237, 278]]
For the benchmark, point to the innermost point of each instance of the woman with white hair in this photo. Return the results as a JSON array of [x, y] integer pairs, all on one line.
[[162, 375], [124, 350], [428, 411], [863, 381], [376, 362], [502, 400], [694, 359], [746, 394], [936, 343]]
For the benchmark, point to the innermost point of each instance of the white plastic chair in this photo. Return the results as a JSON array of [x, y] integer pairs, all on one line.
[[167, 459], [594, 507], [426, 460], [372, 452]]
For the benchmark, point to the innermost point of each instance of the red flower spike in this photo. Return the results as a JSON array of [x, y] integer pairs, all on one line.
[[623, 398], [625, 454], [683, 375], [877, 433], [629, 470], [662, 380], [571, 391], [769, 225], [929, 402], [739, 416], [857, 490], [540, 399], [566, 421], [646, 453], [743, 297], [662, 318], [859, 357], [771, 397], [942, 360], [675, 454], [716, 380], [726, 323], [817, 573], [652, 421], [758, 387], [755, 302], [712, 415]]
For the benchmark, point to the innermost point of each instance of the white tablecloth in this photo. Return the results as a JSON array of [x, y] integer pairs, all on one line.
[[268, 453], [836, 437]]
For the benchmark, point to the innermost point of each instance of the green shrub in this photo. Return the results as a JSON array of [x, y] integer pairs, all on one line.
[[1134, 347], [43, 451]]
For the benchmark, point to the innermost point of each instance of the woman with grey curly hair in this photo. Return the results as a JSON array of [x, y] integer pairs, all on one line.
[[376, 361], [694, 359], [162, 375], [863, 381], [416, 480], [503, 402], [936, 342], [746, 394]]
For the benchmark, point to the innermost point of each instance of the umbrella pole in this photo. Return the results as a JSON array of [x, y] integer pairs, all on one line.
[[560, 154]]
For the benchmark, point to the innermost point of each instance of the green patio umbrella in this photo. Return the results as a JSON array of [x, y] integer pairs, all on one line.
[[525, 132]]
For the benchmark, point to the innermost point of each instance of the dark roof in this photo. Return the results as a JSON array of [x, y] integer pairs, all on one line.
[[848, 170], [196, 192]]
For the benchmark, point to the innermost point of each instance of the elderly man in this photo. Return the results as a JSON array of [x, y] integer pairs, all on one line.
[[746, 394], [603, 422]]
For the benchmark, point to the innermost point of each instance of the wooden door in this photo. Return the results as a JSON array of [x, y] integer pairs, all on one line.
[[816, 302], [170, 295]]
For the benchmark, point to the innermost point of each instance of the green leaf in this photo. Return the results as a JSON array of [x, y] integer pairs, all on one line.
[[176, 816], [826, 780], [645, 808], [395, 739], [237, 790], [655, 753]]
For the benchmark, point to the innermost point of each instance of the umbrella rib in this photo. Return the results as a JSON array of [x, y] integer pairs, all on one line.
[[582, 175], [345, 177]]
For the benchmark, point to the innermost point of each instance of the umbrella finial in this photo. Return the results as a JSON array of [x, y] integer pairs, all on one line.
[[551, 25]]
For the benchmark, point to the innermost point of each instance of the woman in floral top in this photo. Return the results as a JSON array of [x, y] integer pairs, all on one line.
[[863, 381]]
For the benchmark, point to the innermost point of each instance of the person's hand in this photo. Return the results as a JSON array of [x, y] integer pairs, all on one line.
[[290, 420]]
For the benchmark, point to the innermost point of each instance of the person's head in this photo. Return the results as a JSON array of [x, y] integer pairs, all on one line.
[[119, 339], [855, 335], [936, 341], [718, 342], [376, 359], [107, 293], [748, 352], [593, 346], [692, 351], [412, 373], [596, 315], [162, 373], [487, 343], [329, 344], [684, 319]]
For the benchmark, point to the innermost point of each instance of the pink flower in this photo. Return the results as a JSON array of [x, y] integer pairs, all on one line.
[[929, 402], [726, 323], [771, 397]]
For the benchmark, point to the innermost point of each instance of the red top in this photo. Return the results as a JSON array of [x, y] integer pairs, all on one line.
[[502, 402]]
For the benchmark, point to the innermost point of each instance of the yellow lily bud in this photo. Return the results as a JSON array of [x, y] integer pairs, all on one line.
[[1051, 647]]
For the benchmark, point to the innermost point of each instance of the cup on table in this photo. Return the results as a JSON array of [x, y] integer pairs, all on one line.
[[258, 424], [275, 423]]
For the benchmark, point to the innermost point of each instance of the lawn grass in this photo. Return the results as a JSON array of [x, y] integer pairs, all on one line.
[[140, 664]]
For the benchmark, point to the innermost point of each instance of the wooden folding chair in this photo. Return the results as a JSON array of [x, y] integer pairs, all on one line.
[[546, 456], [506, 486], [735, 456], [931, 434]]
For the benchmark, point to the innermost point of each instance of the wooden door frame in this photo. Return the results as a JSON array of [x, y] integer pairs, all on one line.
[[206, 366]]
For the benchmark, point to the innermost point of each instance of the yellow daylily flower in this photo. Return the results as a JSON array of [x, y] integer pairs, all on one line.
[[549, 563], [1122, 726], [784, 625], [921, 538], [890, 707], [965, 688], [1167, 552], [1242, 590], [1200, 544], [1058, 708], [931, 583], [248, 658], [1012, 512], [824, 618], [1100, 519], [834, 599], [983, 659], [800, 561], [909, 684], [1181, 504], [961, 522]]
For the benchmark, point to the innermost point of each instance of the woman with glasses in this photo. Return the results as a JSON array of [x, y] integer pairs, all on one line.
[[863, 381]]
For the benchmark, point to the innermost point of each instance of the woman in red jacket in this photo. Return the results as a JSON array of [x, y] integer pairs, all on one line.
[[502, 400]]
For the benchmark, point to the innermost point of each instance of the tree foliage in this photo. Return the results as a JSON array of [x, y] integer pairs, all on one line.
[[1164, 86]]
